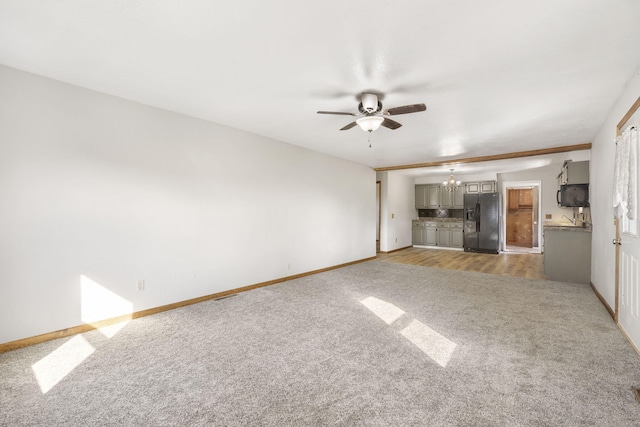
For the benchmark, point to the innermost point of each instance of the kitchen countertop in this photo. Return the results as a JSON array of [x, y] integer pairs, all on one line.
[[567, 226], [422, 219]]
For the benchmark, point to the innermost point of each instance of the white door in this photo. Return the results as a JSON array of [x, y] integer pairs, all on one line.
[[629, 268], [629, 274]]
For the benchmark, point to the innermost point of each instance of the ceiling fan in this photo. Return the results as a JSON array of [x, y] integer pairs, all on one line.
[[371, 115]]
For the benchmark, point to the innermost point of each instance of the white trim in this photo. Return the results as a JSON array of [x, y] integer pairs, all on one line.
[[444, 248]]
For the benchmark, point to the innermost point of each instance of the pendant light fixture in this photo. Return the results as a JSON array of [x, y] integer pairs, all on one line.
[[451, 184]]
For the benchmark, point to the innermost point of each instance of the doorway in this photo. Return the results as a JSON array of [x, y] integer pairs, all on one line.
[[521, 215], [627, 239]]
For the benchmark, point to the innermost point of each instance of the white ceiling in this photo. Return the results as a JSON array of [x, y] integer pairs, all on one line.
[[497, 76]]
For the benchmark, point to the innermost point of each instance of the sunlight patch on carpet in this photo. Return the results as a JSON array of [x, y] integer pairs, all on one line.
[[51, 369], [436, 346], [386, 311]]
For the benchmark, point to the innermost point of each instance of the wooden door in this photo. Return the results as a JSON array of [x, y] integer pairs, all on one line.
[[519, 218]]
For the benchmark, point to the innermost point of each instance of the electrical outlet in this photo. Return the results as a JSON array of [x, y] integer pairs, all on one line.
[[289, 266], [396, 240], [141, 285]]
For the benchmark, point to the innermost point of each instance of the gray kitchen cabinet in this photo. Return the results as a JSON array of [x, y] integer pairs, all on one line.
[[421, 197], [457, 238], [431, 235], [418, 235], [433, 196], [488, 187], [430, 196], [444, 237], [452, 199], [450, 235], [424, 233], [427, 196], [446, 198], [567, 254], [458, 198], [480, 187], [437, 233]]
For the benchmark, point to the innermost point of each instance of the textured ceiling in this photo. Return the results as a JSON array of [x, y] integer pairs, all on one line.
[[497, 76]]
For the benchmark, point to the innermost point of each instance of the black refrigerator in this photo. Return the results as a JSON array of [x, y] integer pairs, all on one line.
[[482, 222]]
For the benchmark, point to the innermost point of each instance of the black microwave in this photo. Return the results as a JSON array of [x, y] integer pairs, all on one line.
[[573, 196]]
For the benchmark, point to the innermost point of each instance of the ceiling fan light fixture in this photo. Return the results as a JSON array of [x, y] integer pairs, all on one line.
[[370, 123]]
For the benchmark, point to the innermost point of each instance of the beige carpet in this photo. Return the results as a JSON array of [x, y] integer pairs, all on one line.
[[371, 344]]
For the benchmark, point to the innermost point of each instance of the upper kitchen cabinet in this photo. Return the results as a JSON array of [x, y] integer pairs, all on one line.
[[480, 187], [427, 196], [433, 196], [452, 199], [421, 197], [574, 173]]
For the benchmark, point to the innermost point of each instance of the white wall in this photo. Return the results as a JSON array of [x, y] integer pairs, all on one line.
[[601, 185], [398, 209], [96, 186]]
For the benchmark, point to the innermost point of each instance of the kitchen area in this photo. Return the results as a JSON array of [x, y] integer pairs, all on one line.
[[472, 217], [457, 216]]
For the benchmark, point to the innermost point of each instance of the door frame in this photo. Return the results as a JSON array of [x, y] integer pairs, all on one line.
[[503, 225], [619, 127]]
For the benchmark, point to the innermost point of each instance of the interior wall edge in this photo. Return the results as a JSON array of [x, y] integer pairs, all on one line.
[[604, 302]]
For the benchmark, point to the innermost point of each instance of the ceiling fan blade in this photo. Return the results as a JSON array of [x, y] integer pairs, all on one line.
[[391, 124], [349, 126], [405, 109], [336, 112]]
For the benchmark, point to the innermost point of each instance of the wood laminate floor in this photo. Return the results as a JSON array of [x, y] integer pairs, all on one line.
[[512, 264]]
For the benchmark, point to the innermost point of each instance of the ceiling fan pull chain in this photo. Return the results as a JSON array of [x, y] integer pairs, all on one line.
[[369, 139]]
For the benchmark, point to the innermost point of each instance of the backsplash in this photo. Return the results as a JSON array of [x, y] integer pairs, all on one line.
[[441, 213]]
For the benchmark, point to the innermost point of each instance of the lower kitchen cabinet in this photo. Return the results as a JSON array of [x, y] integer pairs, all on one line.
[[444, 237], [418, 235], [451, 236], [457, 238], [447, 235], [430, 236], [567, 254]]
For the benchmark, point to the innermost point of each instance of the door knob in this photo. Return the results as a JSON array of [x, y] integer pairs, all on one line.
[[616, 242]]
